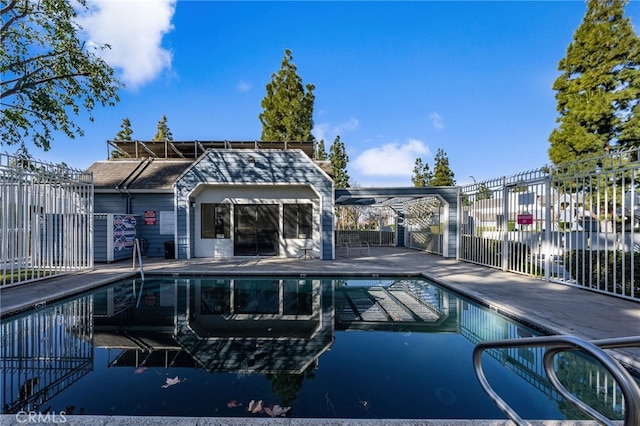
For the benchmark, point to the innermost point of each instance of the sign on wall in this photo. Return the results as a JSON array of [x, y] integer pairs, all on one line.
[[167, 222], [150, 217], [124, 232]]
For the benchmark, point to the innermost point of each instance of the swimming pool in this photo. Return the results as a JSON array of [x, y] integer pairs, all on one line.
[[306, 347]]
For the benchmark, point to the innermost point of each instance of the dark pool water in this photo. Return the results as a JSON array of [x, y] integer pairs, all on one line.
[[296, 347]]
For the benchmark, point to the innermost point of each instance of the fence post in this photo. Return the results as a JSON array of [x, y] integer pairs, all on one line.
[[547, 229], [505, 225]]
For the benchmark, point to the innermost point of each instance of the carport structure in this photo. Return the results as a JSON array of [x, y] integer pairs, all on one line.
[[423, 218]]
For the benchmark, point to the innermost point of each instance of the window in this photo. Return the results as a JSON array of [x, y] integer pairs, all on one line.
[[215, 220], [298, 220]]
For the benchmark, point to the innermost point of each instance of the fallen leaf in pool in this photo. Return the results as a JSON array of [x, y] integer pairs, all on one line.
[[276, 410], [171, 382]]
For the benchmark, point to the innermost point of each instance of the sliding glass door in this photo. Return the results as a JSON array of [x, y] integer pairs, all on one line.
[[256, 230]]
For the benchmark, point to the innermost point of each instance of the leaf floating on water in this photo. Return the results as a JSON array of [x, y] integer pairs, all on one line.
[[255, 407], [276, 410], [233, 403], [139, 370], [171, 382]]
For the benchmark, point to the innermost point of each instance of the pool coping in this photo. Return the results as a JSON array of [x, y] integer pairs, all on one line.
[[13, 420]]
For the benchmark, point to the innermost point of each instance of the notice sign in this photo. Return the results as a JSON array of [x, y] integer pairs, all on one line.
[[149, 217], [124, 232], [167, 223], [525, 219]]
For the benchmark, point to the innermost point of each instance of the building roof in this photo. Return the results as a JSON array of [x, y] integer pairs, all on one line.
[[131, 175], [148, 167]]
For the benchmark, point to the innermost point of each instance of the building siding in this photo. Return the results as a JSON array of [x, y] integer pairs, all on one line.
[[138, 203]]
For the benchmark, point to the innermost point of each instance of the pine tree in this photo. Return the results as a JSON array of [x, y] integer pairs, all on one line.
[[124, 134], [484, 193], [339, 160], [442, 174], [598, 91], [287, 109], [163, 133], [321, 153], [125, 131], [421, 174]]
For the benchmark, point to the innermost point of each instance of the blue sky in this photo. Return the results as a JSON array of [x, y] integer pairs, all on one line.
[[396, 80]]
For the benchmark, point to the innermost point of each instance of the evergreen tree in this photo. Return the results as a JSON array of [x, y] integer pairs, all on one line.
[[484, 193], [339, 160], [598, 91], [163, 133], [287, 109], [442, 174], [125, 131], [421, 174], [124, 134], [321, 153]]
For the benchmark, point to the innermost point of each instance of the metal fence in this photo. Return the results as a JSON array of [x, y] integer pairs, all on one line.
[[577, 224], [375, 225], [45, 353], [46, 219], [423, 224]]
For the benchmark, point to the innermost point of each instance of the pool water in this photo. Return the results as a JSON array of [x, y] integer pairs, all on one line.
[[281, 346]]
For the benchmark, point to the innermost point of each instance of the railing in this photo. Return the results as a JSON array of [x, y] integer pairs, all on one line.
[[46, 220], [555, 345], [138, 252], [577, 224], [374, 237]]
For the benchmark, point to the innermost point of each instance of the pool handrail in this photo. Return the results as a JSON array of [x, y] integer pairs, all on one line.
[[136, 250], [562, 343]]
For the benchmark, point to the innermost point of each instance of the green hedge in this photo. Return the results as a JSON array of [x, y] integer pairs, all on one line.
[[596, 269]]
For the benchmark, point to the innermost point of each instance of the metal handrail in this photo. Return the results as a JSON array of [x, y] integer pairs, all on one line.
[[139, 252], [555, 345]]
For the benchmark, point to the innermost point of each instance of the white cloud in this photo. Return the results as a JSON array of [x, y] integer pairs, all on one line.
[[328, 131], [243, 86], [436, 120], [134, 30], [391, 159]]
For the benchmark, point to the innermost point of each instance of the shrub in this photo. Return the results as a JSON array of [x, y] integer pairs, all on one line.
[[605, 270]]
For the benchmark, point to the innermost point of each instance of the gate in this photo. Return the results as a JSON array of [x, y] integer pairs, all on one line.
[[577, 224], [46, 219], [424, 224]]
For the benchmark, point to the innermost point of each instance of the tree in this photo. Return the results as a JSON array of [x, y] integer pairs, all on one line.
[[321, 153], [125, 131], [484, 193], [442, 174], [163, 133], [598, 91], [339, 160], [421, 174], [287, 109], [48, 73], [124, 134]]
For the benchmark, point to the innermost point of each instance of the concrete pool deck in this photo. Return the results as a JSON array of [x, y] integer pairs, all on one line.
[[559, 308]]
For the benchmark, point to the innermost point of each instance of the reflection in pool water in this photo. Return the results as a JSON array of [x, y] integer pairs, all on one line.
[[278, 346]]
